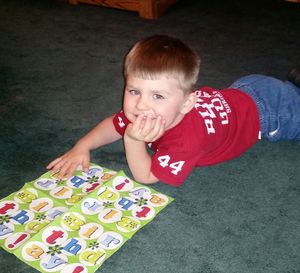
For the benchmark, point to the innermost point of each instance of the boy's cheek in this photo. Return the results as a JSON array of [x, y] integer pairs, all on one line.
[[130, 117]]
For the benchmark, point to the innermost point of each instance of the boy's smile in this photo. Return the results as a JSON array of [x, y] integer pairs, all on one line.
[[155, 97]]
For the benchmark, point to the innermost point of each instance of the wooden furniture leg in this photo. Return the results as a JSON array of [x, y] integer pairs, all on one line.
[[153, 9]]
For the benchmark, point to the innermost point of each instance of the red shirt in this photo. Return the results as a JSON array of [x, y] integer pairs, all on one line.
[[222, 125]]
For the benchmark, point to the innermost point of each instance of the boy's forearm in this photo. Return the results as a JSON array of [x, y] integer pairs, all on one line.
[[139, 161], [104, 133]]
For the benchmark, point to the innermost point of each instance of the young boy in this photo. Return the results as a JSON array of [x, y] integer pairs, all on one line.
[[185, 128]]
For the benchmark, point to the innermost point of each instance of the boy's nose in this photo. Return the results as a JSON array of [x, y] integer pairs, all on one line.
[[142, 104]]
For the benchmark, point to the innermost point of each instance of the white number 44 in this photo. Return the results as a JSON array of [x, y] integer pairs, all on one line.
[[164, 161]]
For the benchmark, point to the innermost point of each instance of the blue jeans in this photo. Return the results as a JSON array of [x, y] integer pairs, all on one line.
[[278, 104]]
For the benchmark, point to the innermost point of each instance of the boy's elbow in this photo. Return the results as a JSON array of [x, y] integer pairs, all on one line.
[[151, 179]]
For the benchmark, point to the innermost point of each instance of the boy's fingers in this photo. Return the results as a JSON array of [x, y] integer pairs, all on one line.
[[161, 128], [70, 170], [85, 165], [141, 122], [157, 130], [53, 163], [137, 124], [135, 128], [64, 169], [147, 127], [149, 124], [56, 168]]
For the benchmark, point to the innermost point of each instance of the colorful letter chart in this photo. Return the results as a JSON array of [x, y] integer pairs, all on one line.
[[74, 225], [71, 243], [39, 202], [24, 213], [123, 205], [71, 191]]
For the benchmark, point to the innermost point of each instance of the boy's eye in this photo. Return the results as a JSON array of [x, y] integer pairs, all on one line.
[[134, 92], [158, 97]]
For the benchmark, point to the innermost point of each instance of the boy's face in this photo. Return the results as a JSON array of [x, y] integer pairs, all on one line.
[[160, 97]]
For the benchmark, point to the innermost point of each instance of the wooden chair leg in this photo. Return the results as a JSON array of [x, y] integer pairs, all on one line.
[[147, 9], [153, 9]]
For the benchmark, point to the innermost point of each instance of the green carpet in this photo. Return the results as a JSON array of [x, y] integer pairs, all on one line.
[[61, 72]]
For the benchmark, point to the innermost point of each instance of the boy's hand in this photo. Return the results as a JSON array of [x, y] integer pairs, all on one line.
[[65, 165], [146, 128]]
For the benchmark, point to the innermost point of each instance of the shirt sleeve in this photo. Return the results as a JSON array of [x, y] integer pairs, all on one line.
[[172, 168], [120, 122], [174, 156]]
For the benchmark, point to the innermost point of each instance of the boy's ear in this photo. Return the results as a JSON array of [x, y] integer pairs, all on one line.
[[189, 103]]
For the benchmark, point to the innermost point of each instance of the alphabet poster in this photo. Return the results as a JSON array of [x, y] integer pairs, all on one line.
[[74, 225]]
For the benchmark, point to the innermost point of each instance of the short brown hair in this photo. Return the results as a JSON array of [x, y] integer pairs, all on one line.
[[159, 55]]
